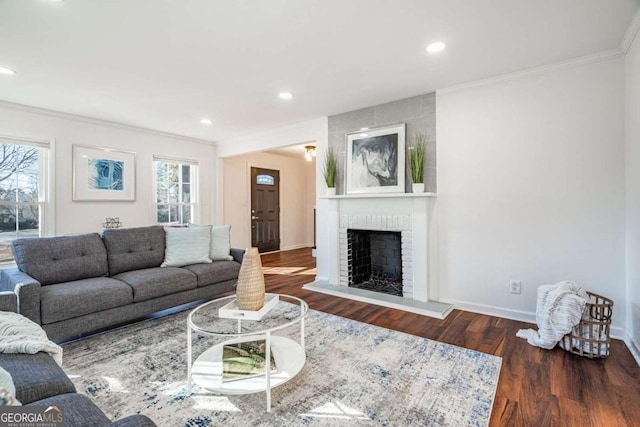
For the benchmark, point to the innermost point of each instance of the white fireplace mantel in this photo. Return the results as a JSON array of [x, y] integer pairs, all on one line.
[[407, 213], [379, 196]]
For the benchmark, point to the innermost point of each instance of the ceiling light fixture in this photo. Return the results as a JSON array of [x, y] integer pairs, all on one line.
[[285, 95], [436, 47], [309, 152], [7, 71], [205, 121], [364, 128]]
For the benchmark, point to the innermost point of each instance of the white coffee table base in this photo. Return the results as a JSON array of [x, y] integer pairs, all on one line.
[[289, 357]]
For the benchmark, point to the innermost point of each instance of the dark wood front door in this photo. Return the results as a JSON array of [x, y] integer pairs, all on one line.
[[265, 209]]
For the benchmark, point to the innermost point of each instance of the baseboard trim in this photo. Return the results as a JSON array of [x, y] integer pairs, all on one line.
[[300, 246], [492, 310], [530, 317], [633, 348]]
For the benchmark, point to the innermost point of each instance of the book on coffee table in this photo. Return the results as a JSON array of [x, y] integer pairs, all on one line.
[[245, 359]]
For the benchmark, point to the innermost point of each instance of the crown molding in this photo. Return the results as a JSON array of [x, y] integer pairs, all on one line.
[[99, 122], [275, 131], [632, 31], [557, 66]]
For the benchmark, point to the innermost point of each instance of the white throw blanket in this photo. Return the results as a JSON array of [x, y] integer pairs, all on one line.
[[20, 335], [559, 309]]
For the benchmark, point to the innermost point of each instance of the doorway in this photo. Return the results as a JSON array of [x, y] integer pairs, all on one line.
[[265, 209]]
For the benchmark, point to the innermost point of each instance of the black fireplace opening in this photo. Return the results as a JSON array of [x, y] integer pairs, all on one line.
[[375, 260]]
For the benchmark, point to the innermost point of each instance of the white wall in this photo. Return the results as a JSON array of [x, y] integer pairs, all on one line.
[[297, 198], [632, 168], [81, 217], [531, 188]]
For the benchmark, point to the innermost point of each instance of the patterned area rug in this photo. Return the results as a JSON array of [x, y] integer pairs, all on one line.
[[355, 374]]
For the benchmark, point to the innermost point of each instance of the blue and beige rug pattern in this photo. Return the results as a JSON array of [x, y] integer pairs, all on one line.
[[355, 374]]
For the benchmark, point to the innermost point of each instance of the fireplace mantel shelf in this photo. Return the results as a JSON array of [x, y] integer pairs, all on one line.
[[378, 196]]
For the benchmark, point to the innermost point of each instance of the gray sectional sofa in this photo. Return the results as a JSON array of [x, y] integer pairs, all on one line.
[[39, 381], [72, 285]]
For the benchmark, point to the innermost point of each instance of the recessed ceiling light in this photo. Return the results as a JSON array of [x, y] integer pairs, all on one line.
[[364, 128], [205, 121], [436, 47], [285, 95], [7, 71]]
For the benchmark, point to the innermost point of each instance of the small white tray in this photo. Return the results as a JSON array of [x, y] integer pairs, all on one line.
[[231, 310]]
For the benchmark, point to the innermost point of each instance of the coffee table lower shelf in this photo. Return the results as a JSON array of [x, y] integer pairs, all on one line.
[[289, 357]]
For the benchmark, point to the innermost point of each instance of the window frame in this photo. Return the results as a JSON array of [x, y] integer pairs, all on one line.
[[46, 197], [194, 184]]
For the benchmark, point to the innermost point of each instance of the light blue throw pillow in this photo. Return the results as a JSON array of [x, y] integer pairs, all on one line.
[[221, 243], [186, 246]]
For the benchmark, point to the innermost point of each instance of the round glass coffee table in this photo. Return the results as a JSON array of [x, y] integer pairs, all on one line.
[[207, 370]]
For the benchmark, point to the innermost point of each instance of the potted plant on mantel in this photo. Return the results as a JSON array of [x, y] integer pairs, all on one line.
[[330, 170], [416, 154]]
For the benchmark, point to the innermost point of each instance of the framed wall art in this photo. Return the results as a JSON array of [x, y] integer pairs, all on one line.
[[375, 160], [103, 174]]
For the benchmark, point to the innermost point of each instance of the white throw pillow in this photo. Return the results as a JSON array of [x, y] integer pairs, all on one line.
[[186, 246], [221, 243]]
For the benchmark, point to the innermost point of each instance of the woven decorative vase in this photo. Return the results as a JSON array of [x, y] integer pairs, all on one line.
[[250, 287]]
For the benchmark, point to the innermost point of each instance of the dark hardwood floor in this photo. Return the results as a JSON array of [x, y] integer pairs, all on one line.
[[536, 387]]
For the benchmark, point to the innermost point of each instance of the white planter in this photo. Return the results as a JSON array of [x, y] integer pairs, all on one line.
[[331, 191], [417, 187]]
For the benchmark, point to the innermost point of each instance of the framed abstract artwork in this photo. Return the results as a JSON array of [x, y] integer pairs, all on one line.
[[375, 160], [103, 174]]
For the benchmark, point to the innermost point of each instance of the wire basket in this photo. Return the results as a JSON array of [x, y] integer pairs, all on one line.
[[592, 336]]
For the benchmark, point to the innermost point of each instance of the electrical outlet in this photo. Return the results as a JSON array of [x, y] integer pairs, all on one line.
[[515, 287]]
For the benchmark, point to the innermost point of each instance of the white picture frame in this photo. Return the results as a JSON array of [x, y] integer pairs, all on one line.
[[376, 160], [103, 174]]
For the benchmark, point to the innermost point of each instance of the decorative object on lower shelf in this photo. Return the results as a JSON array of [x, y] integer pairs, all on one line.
[[250, 286], [417, 187], [245, 359]]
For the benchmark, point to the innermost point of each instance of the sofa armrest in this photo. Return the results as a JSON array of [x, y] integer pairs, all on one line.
[[133, 421], [237, 254], [8, 301], [26, 288]]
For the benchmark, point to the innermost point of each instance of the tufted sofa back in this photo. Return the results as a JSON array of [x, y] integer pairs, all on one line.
[[134, 248], [52, 260]]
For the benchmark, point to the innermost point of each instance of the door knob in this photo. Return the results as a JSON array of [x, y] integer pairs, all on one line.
[[254, 217]]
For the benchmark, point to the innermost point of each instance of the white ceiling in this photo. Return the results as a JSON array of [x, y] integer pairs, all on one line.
[[165, 64]]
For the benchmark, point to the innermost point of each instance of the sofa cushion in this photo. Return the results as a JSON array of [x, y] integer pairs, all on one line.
[[188, 245], [216, 272], [156, 282], [35, 376], [134, 248], [77, 410], [62, 259], [72, 299]]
